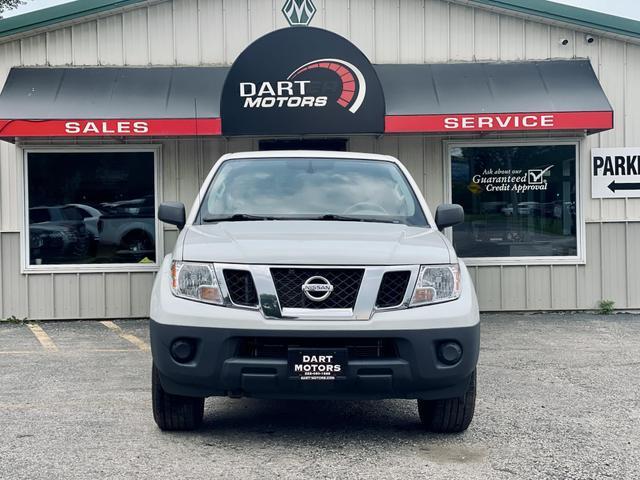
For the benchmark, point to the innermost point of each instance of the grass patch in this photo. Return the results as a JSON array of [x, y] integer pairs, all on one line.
[[606, 307]]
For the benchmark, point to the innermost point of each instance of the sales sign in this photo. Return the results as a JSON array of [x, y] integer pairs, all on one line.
[[615, 172]]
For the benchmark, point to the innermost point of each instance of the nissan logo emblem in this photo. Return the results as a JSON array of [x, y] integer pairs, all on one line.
[[317, 288]]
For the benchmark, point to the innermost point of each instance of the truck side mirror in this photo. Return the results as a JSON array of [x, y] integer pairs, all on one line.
[[448, 215], [172, 213]]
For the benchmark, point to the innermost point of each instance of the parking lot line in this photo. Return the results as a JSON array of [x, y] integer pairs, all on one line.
[[18, 352], [43, 338], [127, 336]]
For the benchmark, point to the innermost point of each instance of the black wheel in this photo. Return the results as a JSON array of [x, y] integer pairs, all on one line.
[[449, 415], [174, 412], [136, 244]]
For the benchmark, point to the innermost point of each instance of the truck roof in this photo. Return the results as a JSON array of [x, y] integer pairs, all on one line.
[[308, 154]]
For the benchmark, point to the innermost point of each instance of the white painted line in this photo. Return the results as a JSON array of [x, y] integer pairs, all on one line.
[[20, 352], [127, 336], [43, 338]]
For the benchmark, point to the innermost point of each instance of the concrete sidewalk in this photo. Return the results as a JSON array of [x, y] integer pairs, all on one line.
[[558, 397]]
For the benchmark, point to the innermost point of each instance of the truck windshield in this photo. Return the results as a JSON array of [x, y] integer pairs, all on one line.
[[311, 189]]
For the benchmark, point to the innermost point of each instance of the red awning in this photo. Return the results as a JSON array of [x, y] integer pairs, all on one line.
[[556, 95]]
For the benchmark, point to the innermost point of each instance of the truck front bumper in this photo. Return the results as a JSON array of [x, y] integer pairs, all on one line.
[[253, 363]]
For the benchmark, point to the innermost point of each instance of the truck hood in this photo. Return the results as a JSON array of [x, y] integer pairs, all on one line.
[[314, 243]]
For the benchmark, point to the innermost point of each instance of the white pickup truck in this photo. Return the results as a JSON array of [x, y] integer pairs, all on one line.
[[308, 274]]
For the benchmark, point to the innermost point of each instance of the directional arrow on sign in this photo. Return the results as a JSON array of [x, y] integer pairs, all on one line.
[[613, 186]]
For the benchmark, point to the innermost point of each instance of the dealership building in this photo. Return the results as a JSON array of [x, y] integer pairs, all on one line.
[[527, 113]]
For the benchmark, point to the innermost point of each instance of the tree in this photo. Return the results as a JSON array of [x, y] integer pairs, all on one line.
[[9, 5]]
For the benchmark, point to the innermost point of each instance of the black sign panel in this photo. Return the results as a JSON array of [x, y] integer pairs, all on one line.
[[299, 81], [317, 364]]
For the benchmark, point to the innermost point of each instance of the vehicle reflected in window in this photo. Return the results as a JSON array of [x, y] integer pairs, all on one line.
[[91, 207]]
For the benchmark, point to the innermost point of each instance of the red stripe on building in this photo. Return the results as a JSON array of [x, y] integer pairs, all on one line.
[[111, 127], [493, 122]]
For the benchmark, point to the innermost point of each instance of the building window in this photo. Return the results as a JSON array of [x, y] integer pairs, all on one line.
[[91, 208], [519, 200]]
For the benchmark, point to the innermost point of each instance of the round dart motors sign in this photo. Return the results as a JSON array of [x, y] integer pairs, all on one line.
[[302, 81]]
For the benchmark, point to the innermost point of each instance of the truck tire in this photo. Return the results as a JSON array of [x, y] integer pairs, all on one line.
[[174, 412], [449, 415]]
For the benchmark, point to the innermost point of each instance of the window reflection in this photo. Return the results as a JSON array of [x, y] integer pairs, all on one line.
[[519, 201], [91, 208]]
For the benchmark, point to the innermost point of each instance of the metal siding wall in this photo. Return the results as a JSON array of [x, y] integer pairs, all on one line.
[[436, 31], [514, 296], [110, 40], [387, 32], [488, 283], [633, 264], [66, 289], [434, 172], [261, 18], [486, 35], [170, 238], [140, 293], [236, 23], [336, 16], [14, 285], [92, 295], [411, 35], [59, 50], [135, 37], [632, 114], [188, 161], [160, 31], [511, 38], [539, 286], [10, 188], [34, 50], [536, 40], [614, 263], [461, 28], [410, 31], [362, 26], [117, 293], [185, 32], [84, 48], [40, 296], [590, 275], [612, 80], [564, 288]]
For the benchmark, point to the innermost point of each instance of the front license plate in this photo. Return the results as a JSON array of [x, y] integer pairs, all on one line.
[[317, 364]]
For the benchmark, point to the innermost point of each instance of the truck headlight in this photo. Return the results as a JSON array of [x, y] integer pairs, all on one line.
[[195, 281], [437, 283]]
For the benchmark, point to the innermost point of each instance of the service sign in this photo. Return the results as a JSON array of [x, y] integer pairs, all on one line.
[[615, 172]]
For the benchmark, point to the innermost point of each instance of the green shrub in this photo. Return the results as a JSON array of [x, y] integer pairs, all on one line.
[[605, 307]]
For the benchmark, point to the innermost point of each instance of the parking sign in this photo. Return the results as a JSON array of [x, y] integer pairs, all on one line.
[[615, 172]]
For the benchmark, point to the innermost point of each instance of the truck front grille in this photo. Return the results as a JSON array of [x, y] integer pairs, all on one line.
[[392, 289], [345, 282], [241, 288], [277, 347]]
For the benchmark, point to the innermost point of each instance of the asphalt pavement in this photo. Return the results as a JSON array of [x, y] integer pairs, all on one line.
[[558, 397]]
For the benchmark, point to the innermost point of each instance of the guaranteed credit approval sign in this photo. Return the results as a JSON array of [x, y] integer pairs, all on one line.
[[615, 172]]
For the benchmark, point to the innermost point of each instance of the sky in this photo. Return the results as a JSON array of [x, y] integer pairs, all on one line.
[[621, 8]]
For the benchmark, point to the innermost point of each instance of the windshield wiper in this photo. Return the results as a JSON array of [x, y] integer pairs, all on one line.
[[346, 218], [245, 217], [236, 217]]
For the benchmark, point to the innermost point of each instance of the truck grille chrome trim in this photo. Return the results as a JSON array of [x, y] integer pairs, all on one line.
[[357, 291]]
